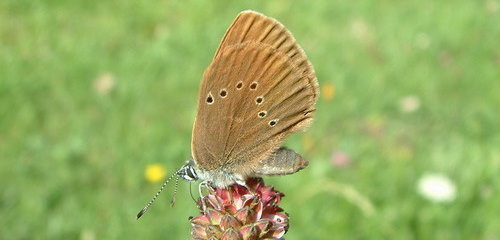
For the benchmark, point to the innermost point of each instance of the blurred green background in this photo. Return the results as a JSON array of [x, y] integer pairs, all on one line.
[[94, 92]]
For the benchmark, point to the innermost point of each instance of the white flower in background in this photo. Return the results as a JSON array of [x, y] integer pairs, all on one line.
[[437, 188], [104, 83], [409, 104]]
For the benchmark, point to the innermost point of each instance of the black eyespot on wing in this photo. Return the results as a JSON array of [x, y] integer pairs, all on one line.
[[262, 114], [273, 122], [253, 86], [239, 85], [223, 93], [259, 100], [210, 98]]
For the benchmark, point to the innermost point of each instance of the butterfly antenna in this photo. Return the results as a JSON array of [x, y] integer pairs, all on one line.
[[145, 209], [172, 202]]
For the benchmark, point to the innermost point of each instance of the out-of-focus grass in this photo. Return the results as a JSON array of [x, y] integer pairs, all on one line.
[[72, 159]]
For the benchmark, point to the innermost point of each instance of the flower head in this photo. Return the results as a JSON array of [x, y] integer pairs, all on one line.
[[104, 83], [239, 212], [437, 188], [340, 159], [409, 104], [328, 91], [307, 142], [155, 173]]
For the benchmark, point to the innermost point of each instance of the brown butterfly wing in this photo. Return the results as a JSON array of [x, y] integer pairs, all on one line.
[[259, 88]]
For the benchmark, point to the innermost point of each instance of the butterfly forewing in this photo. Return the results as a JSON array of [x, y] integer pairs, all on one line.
[[258, 89], [255, 27]]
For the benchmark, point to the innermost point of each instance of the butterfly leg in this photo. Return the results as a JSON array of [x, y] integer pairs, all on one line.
[[203, 184]]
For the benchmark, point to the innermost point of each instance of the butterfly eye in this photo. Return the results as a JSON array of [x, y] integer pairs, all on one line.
[[223, 93], [253, 86], [239, 85], [259, 100], [210, 98], [273, 122], [262, 114]]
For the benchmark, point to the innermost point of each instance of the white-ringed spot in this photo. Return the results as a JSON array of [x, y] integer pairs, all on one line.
[[262, 114], [210, 98], [259, 100], [273, 122], [239, 85], [223, 93], [253, 86]]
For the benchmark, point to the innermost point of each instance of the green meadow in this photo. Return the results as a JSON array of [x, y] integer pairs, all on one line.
[[94, 92]]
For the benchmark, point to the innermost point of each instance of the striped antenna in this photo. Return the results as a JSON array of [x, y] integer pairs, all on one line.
[[172, 202], [143, 211]]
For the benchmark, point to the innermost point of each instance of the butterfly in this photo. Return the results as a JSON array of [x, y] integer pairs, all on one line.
[[259, 88]]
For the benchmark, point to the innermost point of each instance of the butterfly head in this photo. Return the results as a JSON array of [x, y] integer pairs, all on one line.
[[187, 171]]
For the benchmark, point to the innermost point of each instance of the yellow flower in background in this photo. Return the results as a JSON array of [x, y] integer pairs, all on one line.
[[328, 91], [307, 142], [155, 173]]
